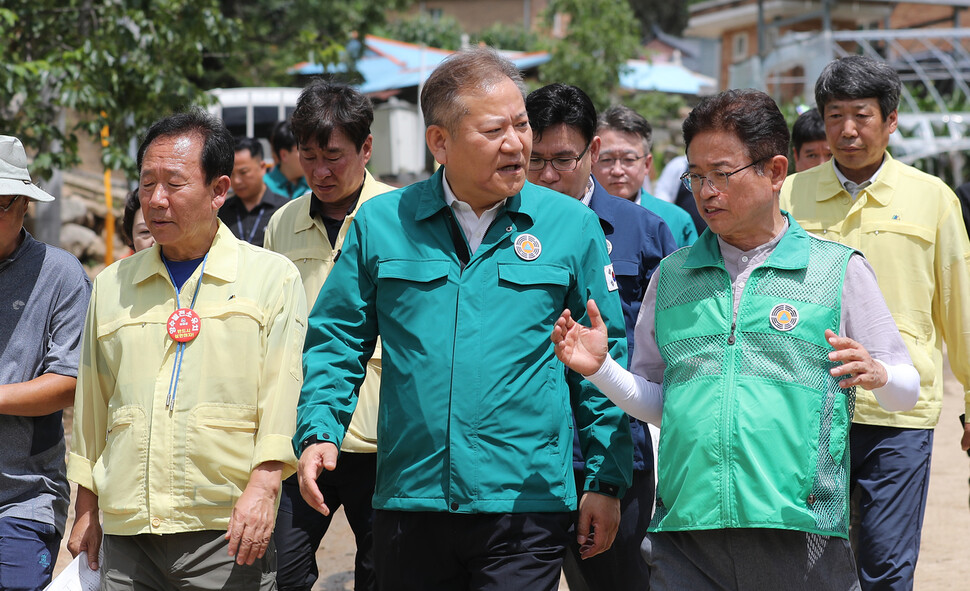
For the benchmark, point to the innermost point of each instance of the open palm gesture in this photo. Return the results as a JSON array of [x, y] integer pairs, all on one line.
[[581, 348]]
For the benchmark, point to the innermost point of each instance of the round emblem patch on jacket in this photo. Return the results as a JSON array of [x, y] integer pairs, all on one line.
[[528, 247], [783, 317]]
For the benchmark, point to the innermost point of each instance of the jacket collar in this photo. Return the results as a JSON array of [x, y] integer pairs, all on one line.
[[222, 262], [791, 253], [305, 222], [881, 191], [603, 204], [431, 199]]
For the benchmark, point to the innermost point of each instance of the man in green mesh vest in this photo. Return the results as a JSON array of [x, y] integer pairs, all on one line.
[[749, 346]]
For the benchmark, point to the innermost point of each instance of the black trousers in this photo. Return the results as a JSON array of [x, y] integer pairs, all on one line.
[[300, 527], [622, 567], [431, 551]]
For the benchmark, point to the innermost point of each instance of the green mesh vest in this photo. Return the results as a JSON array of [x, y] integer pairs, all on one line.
[[755, 429]]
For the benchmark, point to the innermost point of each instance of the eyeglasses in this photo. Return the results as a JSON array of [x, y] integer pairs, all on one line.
[[716, 179], [9, 204], [625, 162], [561, 163]]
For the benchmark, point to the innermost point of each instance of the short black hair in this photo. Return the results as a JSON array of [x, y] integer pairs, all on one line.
[[132, 205], [625, 119], [327, 106], [751, 115], [858, 77], [561, 104], [251, 145], [282, 138], [218, 157], [807, 128]]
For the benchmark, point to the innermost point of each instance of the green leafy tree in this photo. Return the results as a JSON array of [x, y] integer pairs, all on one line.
[[131, 61], [510, 37], [443, 32], [601, 36], [670, 17], [656, 107], [137, 60], [275, 34]]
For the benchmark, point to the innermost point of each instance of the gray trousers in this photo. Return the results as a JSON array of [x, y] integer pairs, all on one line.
[[192, 560], [748, 560]]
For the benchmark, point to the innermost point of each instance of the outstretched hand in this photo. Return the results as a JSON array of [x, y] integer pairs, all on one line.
[[856, 363], [582, 349]]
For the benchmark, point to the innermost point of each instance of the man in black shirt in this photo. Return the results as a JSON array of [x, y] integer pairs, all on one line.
[[248, 211]]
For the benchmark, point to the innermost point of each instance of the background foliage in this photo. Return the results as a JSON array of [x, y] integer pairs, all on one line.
[[138, 60]]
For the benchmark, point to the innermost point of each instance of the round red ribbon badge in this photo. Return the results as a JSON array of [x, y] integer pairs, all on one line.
[[184, 325]]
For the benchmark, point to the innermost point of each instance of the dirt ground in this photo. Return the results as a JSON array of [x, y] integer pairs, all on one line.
[[943, 560]]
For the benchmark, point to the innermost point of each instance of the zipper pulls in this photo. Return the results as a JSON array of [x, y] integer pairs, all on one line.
[[731, 338]]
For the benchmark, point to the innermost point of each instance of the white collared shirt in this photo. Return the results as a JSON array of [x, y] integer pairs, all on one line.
[[588, 195], [471, 224]]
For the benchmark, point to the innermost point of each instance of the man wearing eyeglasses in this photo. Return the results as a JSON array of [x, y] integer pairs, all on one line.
[[749, 347], [625, 161], [42, 302], [564, 146]]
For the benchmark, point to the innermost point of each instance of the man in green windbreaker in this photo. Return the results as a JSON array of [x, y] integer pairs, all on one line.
[[461, 276], [749, 346]]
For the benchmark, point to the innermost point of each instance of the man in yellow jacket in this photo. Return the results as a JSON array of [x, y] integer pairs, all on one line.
[[332, 127], [908, 225], [188, 383]]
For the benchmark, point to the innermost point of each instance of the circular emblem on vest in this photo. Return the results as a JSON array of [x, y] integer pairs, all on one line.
[[609, 247], [527, 247], [783, 317]]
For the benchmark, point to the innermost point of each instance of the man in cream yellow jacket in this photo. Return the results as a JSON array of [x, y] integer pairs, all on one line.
[[188, 383], [332, 128], [908, 225]]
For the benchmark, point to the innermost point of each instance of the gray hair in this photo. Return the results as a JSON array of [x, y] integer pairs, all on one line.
[[624, 119], [476, 68]]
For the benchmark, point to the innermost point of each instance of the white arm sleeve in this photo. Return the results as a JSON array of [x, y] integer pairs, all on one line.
[[638, 397], [902, 390]]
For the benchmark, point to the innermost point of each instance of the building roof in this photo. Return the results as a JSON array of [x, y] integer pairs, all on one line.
[[387, 64], [670, 77]]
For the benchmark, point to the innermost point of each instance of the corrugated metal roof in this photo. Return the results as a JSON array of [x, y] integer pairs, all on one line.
[[387, 64]]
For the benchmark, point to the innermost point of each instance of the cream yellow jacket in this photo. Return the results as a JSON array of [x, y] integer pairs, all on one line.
[[302, 239], [166, 470], [909, 226]]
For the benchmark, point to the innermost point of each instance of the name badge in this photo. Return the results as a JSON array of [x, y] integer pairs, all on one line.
[[783, 317], [184, 325], [527, 247]]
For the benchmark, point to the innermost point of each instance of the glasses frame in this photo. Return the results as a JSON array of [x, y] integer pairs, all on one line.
[[686, 178], [602, 162], [546, 161], [9, 205]]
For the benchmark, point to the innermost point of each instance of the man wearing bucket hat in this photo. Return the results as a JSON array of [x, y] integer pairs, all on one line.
[[43, 298]]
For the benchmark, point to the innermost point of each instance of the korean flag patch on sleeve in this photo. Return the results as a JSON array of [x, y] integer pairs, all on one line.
[[610, 278]]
